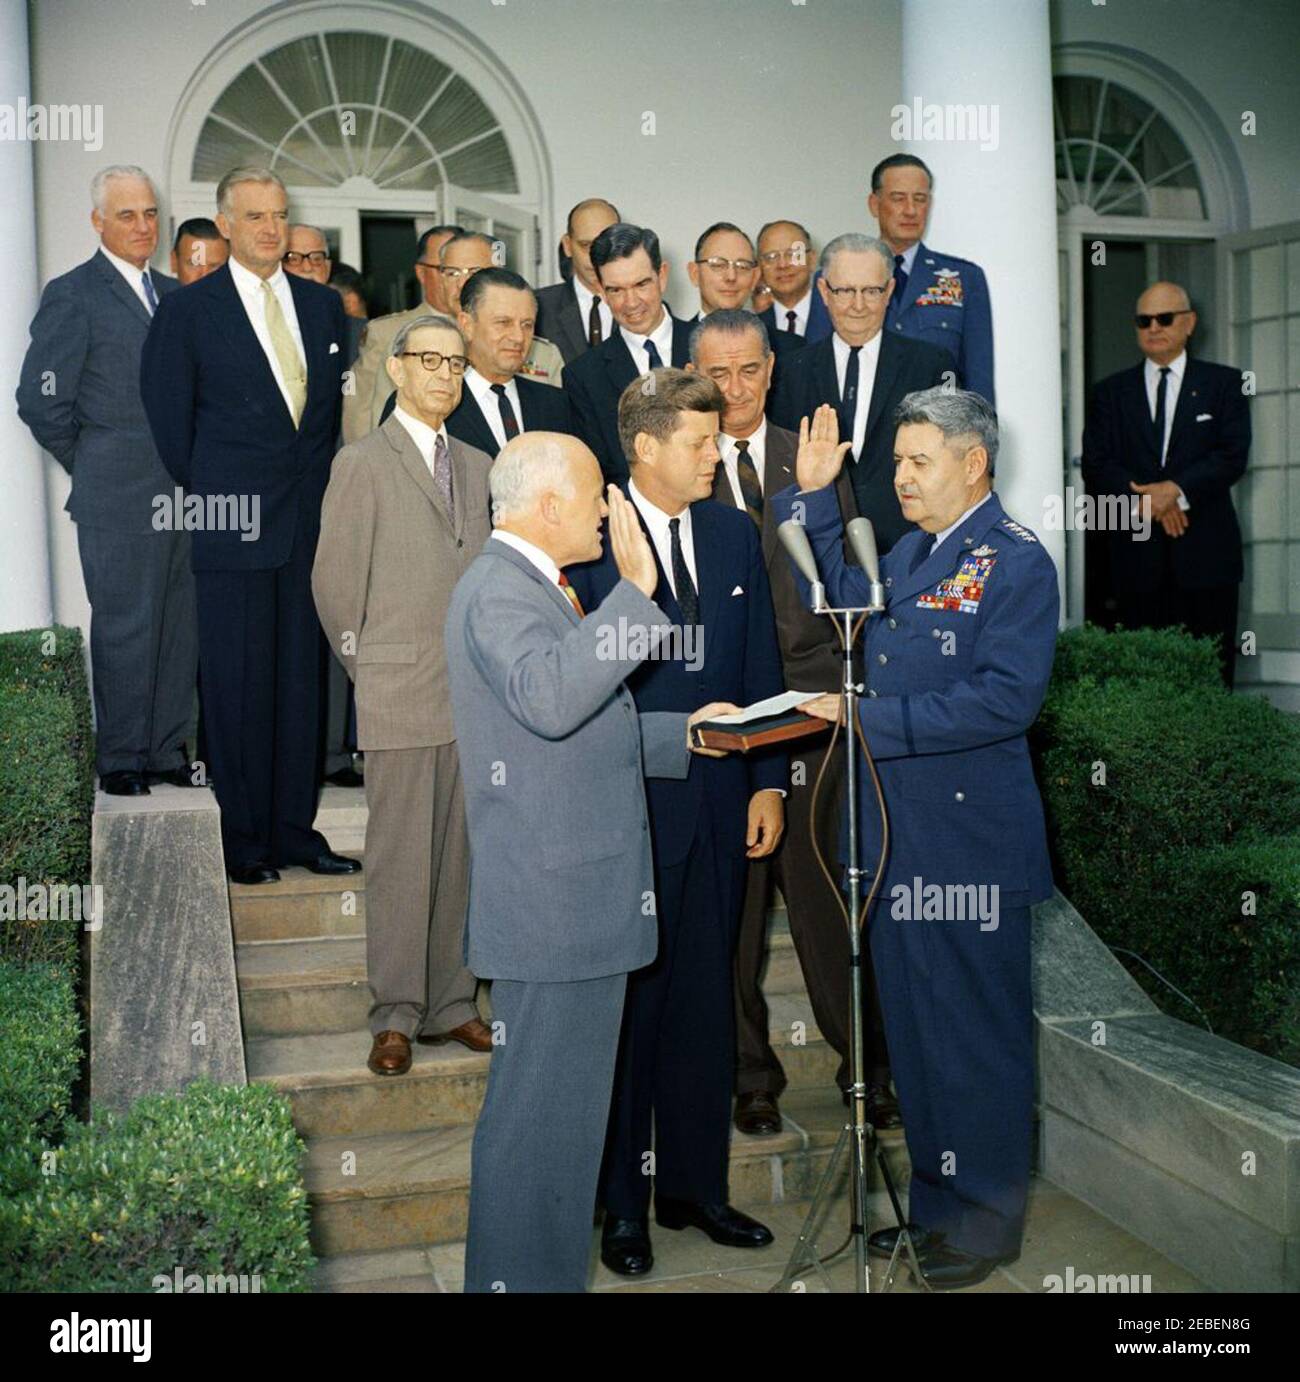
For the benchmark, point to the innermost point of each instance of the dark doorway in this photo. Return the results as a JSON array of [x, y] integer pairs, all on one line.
[[387, 260]]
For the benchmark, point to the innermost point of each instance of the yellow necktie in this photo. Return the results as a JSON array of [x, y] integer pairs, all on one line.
[[286, 352]]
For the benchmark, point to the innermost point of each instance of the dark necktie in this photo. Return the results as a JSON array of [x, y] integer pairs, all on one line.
[[750, 489], [687, 600], [594, 333], [508, 419], [652, 353], [150, 295], [791, 317], [849, 400], [900, 286], [442, 474], [1159, 424]]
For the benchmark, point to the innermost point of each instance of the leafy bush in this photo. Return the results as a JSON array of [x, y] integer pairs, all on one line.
[[46, 781], [39, 1051], [207, 1181], [1166, 655]]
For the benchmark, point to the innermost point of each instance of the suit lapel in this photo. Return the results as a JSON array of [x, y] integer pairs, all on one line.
[[1140, 426], [825, 384], [681, 342], [232, 320], [882, 387], [494, 547], [570, 320], [120, 288], [1184, 411], [778, 473], [617, 358], [313, 333], [948, 556], [408, 456], [470, 420], [709, 574]]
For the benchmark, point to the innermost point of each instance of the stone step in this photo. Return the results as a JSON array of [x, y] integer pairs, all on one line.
[[341, 817], [388, 1191], [297, 987], [333, 1093], [301, 906]]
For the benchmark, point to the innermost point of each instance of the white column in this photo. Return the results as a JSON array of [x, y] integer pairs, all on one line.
[[24, 535], [997, 206]]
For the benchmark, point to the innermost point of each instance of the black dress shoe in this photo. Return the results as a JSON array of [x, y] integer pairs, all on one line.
[[625, 1246], [882, 1109], [124, 784], [883, 1242], [253, 873], [345, 777], [721, 1222], [757, 1114], [181, 776], [946, 1268], [329, 862]]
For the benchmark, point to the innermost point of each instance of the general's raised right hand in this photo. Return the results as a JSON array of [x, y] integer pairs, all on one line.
[[821, 453], [631, 548]]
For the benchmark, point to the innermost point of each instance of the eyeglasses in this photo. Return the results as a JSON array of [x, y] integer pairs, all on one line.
[[312, 257], [796, 254], [458, 273], [720, 265], [433, 360], [868, 294], [1144, 319]]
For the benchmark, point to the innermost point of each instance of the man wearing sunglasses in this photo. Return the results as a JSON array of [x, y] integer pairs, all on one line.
[[1174, 433], [405, 513]]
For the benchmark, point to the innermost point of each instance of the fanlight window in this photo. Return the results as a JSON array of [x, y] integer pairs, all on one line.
[[331, 107], [1117, 155]]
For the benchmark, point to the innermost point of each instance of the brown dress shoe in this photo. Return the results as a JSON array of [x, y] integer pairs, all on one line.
[[390, 1054], [475, 1034], [757, 1114]]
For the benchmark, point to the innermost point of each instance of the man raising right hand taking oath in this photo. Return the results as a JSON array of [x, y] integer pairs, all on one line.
[[561, 884]]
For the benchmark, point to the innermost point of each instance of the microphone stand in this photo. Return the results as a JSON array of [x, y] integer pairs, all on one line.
[[857, 1133]]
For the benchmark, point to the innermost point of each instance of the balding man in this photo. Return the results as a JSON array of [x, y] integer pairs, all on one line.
[[1173, 432], [574, 314], [406, 509], [79, 392], [551, 753], [308, 254], [863, 372]]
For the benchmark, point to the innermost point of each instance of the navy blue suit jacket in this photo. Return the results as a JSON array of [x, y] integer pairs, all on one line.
[[957, 668], [741, 664], [544, 409], [1208, 446], [221, 424], [594, 383]]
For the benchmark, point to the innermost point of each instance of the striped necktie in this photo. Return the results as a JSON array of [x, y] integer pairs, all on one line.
[[573, 596], [750, 489], [442, 474], [150, 294], [286, 353]]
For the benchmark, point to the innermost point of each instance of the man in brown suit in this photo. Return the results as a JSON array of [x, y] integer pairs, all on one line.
[[732, 348], [405, 513]]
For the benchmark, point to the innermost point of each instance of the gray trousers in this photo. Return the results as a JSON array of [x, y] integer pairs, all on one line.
[[417, 890], [144, 646], [541, 1134]]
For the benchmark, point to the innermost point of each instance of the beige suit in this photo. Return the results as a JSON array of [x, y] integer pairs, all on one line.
[[388, 558], [364, 402]]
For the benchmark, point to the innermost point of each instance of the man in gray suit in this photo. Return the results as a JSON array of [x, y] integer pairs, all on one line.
[[405, 511], [79, 392], [561, 883]]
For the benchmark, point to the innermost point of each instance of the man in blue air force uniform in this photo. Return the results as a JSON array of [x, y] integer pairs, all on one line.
[[956, 670]]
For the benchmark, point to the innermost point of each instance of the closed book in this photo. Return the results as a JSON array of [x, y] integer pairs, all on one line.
[[756, 734]]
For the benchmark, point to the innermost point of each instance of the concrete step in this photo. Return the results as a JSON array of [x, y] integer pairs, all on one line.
[[341, 817], [301, 906], [389, 1191], [333, 1093], [318, 984]]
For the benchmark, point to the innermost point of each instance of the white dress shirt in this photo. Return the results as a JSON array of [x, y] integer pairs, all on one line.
[[1173, 385], [662, 336], [657, 521], [585, 298], [134, 277], [800, 310], [490, 403], [250, 294], [952, 528], [422, 435], [757, 454], [868, 359], [534, 554]]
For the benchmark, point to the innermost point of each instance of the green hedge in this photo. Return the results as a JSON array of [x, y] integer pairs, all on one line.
[[46, 780], [207, 1181], [39, 1050], [1168, 798]]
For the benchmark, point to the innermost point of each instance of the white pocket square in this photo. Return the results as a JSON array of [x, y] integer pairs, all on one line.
[[334, 347], [1204, 417], [738, 591]]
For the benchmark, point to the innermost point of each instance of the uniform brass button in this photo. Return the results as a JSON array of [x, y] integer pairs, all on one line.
[[935, 633], [873, 692], [893, 623], [959, 796], [882, 659], [889, 580]]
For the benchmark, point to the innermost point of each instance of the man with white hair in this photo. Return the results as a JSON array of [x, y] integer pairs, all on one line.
[[863, 372], [79, 392], [404, 514], [562, 906]]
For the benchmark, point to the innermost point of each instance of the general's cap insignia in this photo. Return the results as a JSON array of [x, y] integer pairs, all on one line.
[[1023, 534], [963, 590]]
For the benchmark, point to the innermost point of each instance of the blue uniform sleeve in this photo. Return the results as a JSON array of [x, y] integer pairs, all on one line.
[[976, 362], [1010, 668], [819, 512]]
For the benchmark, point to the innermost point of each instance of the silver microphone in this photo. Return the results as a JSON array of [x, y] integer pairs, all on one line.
[[862, 539], [795, 541]]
